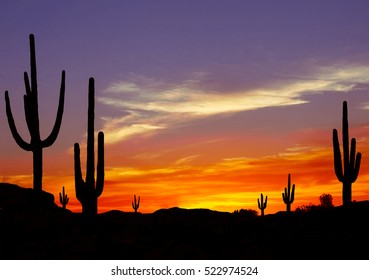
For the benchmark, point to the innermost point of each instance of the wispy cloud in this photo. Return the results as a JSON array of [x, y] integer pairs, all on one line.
[[149, 105]]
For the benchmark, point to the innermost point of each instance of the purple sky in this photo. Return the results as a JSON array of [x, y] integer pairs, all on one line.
[[167, 71]]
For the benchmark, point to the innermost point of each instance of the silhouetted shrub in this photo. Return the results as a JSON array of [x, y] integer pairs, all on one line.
[[326, 200], [307, 208], [250, 213]]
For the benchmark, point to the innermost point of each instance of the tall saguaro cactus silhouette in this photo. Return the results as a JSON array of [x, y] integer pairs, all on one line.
[[288, 195], [31, 113], [351, 161], [261, 204], [88, 191]]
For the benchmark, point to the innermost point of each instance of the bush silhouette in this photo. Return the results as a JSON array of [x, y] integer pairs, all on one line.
[[326, 200], [249, 213]]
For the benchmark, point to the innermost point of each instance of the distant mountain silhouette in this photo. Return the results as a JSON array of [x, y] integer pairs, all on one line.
[[32, 226]]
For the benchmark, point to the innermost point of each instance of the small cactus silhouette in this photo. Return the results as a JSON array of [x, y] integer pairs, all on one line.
[[36, 145], [63, 198], [88, 191], [136, 203], [261, 204], [288, 195], [351, 166]]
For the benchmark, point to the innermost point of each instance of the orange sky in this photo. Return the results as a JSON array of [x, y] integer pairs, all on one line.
[[226, 185]]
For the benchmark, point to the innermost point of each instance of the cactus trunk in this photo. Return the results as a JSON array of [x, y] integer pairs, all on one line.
[[288, 207], [346, 193], [37, 169]]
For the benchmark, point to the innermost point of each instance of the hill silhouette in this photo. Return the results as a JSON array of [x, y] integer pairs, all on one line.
[[32, 226]]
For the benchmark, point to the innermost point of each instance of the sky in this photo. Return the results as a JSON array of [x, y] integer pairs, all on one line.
[[204, 104]]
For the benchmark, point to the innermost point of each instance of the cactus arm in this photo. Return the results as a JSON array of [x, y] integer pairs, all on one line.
[[284, 196], [100, 164], [262, 199], [31, 111], [79, 183], [28, 114], [352, 154], [259, 204], [355, 170], [59, 116], [345, 140], [354, 162], [27, 84], [18, 139], [292, 194], [337, 156], [266, 201]]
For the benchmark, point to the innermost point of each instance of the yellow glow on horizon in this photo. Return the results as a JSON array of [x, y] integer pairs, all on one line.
[[232, 184]]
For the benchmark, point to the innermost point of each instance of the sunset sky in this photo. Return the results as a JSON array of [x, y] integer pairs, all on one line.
[[204, 104]]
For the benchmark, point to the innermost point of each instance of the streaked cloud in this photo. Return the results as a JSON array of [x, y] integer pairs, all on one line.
[[148, 105]]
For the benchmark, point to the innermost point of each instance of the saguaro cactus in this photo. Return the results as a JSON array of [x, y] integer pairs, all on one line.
[[136, 203], [31, 113], [351, 161], [288, 195], [88, 191], [63, 198], [261, 204]]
